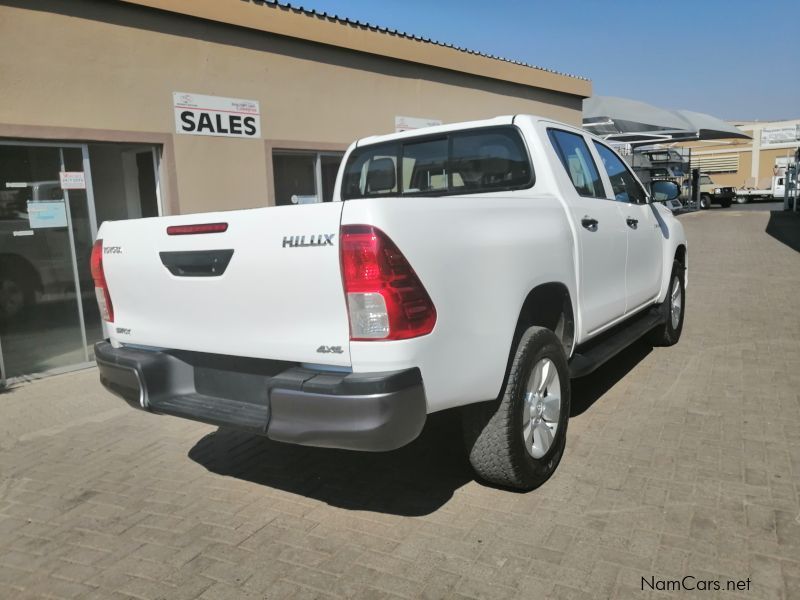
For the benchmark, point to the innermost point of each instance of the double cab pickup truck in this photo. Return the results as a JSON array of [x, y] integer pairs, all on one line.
[[478, 266]]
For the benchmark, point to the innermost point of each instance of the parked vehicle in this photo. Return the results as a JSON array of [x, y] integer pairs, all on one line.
[[710, 193], [478, 265], [775, 192]]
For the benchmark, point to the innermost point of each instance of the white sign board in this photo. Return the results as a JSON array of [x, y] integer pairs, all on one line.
[[408, 123], [214, 115], [780, 135], [47, 213], [72, 180]]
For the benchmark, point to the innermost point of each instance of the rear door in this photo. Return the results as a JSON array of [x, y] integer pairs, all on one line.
[[643, 271], [601, 233], [269, 286]]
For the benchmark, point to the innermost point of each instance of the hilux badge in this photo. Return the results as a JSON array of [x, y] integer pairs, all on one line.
[[299, 241]]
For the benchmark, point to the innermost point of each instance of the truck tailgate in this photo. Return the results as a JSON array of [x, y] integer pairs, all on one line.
[[279, 297]]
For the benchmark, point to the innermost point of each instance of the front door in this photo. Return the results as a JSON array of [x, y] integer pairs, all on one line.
[[643, 271]]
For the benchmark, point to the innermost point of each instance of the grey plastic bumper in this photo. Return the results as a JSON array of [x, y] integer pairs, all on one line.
[[285, 402]]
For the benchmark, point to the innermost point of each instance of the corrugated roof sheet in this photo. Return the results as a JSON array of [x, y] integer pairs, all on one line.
[[410, 36]]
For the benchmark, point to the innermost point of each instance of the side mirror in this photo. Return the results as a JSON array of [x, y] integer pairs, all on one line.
[[664, 191]]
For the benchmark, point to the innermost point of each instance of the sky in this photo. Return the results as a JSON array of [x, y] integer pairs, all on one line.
[[727, 58]]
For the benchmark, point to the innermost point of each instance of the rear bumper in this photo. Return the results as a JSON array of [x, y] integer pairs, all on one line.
[[285, 402]]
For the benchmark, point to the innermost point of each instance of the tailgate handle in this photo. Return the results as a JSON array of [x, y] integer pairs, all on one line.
[[197, 263]]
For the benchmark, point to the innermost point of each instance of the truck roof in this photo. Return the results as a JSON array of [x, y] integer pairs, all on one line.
[[500, 120]]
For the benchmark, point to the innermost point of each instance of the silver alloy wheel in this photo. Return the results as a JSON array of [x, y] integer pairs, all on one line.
[[12, 298], [676, 302], [541, 408]]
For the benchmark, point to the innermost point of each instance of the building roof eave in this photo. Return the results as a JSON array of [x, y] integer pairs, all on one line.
[[291, 21]]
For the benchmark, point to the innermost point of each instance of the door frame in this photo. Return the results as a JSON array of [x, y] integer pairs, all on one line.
[[7, 381], [92, 213]]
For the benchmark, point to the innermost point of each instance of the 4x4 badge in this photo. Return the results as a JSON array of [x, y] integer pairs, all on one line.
[[330, 350]]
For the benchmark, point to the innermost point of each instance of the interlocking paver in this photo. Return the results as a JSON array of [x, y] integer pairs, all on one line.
[[680, 461]]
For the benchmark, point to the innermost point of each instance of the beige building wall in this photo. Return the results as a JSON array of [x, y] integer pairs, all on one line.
[[734, 179], [754, 171], [107, 71]]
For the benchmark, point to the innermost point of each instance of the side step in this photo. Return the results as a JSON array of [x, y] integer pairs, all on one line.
[[214, 411], [594, 353]]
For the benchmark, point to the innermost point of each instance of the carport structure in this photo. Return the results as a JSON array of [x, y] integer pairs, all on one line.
[[640, 124]]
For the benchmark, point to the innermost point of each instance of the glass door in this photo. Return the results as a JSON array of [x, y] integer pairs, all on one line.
[[46, 235]]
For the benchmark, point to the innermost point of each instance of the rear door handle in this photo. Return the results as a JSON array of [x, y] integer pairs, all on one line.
[[632, 223], [196, 263], [589, 223]]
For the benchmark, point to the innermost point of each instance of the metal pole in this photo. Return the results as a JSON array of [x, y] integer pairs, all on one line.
[[75, 276], [2, 368], [690, 200]]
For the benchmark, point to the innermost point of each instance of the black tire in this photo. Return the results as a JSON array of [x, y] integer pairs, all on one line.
[[16, 291], [742, 199], [493, 431], [705, 201], [668, 334], [725, 203]]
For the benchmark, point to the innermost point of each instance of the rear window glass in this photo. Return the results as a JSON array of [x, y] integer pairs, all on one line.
[[464, 162], [578, 162]]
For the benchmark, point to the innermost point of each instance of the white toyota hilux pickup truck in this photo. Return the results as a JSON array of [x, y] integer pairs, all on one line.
[[479, 265]]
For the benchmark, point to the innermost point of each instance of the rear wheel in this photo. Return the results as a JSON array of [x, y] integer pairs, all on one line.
[[518, 441], [17, 288], [12, 297], [705, 201], [741, 199]]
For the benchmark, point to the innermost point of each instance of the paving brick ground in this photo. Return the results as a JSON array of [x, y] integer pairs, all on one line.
[[680, 461]]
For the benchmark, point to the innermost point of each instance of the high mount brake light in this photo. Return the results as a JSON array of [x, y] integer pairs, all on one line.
[[100, 284], [193, 229], [385, 298]]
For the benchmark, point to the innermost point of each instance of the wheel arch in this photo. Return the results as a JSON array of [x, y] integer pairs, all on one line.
[[549, 305], [680, 255], [15, 262]]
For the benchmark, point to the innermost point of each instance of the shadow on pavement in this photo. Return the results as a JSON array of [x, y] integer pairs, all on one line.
[[412, 481], [588, 390], [784, 226], [415, 480]]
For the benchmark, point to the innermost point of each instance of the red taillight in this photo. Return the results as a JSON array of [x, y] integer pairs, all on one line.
[[100, 285], [192, 229], [385, 298]]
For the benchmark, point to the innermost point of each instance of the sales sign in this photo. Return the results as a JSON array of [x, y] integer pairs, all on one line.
[[213, 115]]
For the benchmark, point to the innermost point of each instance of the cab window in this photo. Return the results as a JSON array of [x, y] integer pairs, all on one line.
[[578, 162], [487, 159], [623, 184]]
